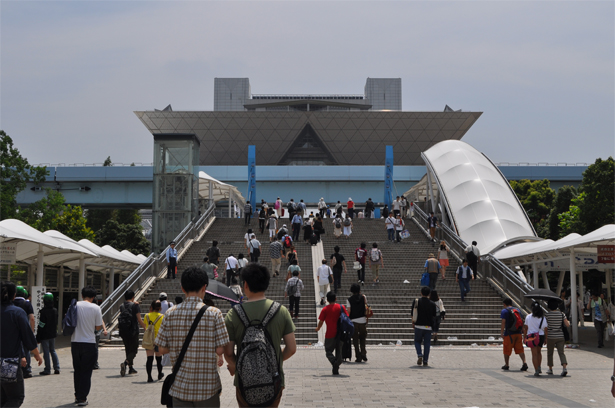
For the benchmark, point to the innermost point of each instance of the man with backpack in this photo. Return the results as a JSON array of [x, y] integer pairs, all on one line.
[[247, 211], [360, 255], [287, 242], [128, 324], [84, 323], [511, 333], [293, 290], [213, 253], [423, 319], [375, 262], [296, 223], [473, 257], [255, 248], [276, 252], [291, 206], [258, 384], [369, 208], [197, 382], [330, 315]]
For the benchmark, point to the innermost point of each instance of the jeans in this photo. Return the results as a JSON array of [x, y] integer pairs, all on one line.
[[294, 304], [13, 393], [49, 347], [422, 336], [600, 331], [261, 225], [171, 268], [332, 345], [296, 231], [253, 257], [398, 235], [229, 275], [433, 279], [322, 213], [391, 232], [84, 358], [247, 219], [361, 273], [351, 213], [337, 279], [358, 340], [28, 367], [131, 344], [464, 287]]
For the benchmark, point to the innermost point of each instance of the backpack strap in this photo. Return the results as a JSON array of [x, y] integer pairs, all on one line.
[[155, 321], [273, 310], [182, 353]]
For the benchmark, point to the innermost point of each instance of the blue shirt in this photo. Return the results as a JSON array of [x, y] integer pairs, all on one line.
[[297, 219], [171, 253], [16, 331]]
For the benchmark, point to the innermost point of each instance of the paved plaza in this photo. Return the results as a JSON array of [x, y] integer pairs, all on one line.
[[457, 377]]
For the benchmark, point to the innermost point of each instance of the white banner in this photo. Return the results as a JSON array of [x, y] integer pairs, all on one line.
[[37, 301], [8, 254]]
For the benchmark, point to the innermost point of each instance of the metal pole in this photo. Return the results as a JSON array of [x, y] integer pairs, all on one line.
[[8, 272], [573, 298], [535, 270], [111, 281], [545, 281], [388, 177], [81, 275], [252, 176], [61, 295], [560, 282], [430, 194]]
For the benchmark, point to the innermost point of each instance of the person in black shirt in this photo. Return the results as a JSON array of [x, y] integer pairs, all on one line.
[[213, 253], [130, 337], [15, 336], [338, 266], [21, 302], [426, 316], [46, 334], [356, 305]]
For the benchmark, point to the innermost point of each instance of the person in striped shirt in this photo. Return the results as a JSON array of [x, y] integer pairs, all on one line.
[[555, 321]]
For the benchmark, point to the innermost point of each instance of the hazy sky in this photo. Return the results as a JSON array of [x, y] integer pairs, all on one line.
[[73, 72]]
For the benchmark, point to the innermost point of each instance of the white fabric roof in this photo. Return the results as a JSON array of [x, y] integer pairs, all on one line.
[[585, 243], [27, 241], [62, 250], [484, 207], [221, 191]]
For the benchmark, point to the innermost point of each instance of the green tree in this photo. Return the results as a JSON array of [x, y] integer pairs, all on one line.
[[598, 205], [561, 204], [536, 197], [52, 213], [16, 172], [123, 236], [569, 221]]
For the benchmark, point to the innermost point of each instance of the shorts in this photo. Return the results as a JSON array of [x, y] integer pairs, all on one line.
[[443, 262], [271, 233], [513, 341]]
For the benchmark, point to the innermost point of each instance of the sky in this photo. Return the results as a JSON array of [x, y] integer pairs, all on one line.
[[73, 72]]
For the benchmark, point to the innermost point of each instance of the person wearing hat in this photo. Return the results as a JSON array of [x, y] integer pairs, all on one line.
[[21, 302], [322, 207], [350, 205], [46, 334], [164, 304], [171, 261], [432, 266]]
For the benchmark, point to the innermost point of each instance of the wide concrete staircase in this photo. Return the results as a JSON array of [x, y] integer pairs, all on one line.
[[230, 236], [474, 321]]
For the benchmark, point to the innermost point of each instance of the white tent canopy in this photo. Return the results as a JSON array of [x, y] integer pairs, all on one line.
[[478, 198], [220, 191]]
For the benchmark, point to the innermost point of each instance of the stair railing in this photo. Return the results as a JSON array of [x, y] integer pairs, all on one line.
[[155, 266], [501, 277]]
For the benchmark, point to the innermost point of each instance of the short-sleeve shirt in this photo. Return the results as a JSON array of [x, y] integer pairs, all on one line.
[[330, 315], [339, 258], [197, 378], [324, 271], [88, 317], [231, 263], [281, 325], [25, 305], [536, 324], [434, 265], [504, 315], [209, 269], [274, 250], [136, 310], [151, 318], [294, 281], [254, 244], [15, 331]]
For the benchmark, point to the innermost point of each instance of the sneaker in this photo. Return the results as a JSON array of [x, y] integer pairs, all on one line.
[[150, 380], [419, 361], [132, 371], [27, 375], [123, 369], [364, 359], [359, 281], [550, 371], [505, 367], [524, 367], [322, 302], [564, 373], [44, 373], [536, 373], [56, 372], [425, 364], [362, 283], [160, 376], [96, 366], [82, 403], [336, 370], [539, 370], [358, 360]]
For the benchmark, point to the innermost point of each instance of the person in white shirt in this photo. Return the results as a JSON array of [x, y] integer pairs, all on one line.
[[230, 268], [396, 206], [255, 248], [164, 303], [399, 227], [248, 237], [473, 256], [322, 207], [536, 324], [83, 344], [324, 271], [272, 225], [390, 226]]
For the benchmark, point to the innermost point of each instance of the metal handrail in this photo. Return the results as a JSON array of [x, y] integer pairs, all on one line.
[[502, 278], [141, 279]]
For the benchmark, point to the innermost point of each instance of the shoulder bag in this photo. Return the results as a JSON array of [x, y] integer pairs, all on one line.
[[330, 277], [165, 398], [368, 309], [565, 329]]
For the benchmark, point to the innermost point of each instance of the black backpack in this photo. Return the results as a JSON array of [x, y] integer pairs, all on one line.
[[347, 222], [472, 258], [125, 321], [258, 367], [338, 223]]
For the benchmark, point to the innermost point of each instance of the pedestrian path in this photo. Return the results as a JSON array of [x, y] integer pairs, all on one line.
[[457, 377]]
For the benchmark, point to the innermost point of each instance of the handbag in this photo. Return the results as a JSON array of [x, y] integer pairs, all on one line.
[[165, 398], [565, 329], [8, 369], [425, 279], [533, 339], [357, 265], [368, 309]]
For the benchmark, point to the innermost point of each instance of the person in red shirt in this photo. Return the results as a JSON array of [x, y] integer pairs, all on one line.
[[350, 204], [330, 314]]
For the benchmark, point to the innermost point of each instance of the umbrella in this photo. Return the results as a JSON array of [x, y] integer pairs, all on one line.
[[542, 294], [221, 291]]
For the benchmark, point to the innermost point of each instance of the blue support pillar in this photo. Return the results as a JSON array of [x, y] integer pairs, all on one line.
[[388, 177], [252, 176]]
